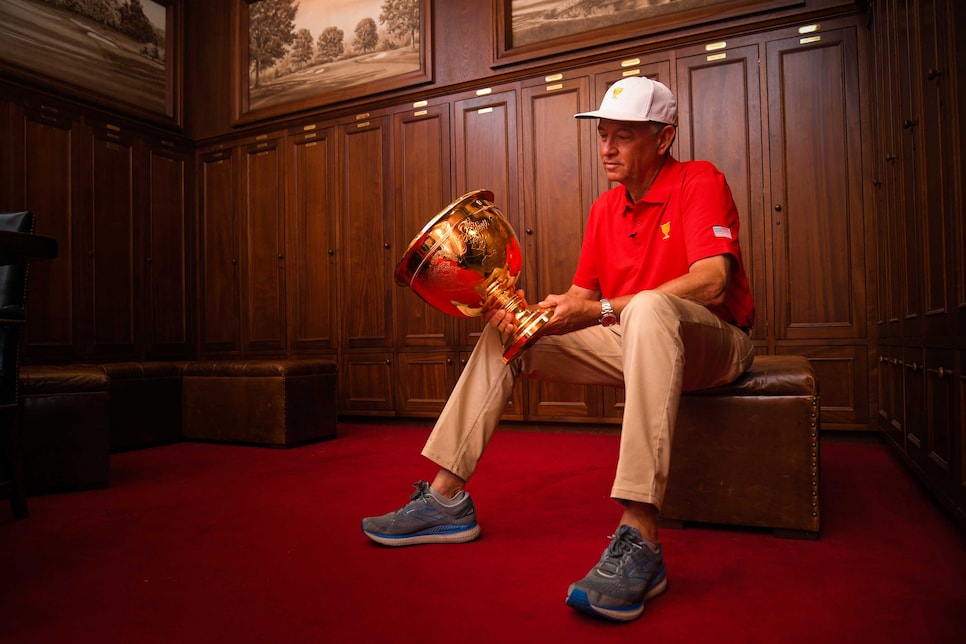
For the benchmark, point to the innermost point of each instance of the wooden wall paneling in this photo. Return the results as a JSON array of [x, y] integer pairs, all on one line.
[[423, 186], [262, 237], [935, 129], [46, 145], [815, 176], [486, 149], [890, 235], [367, 262], [907, 122], [891, 411], [940, 399], [916, 419], [365, 383], [959, 431], [368, 257], [425, 338], [937, 160], [558, 188], [841, 371], [218, 269], [423, 380], [8, 167], [166, 264], [111, 281], [818, 201], [720, 120], [313, 241], [957, 92]]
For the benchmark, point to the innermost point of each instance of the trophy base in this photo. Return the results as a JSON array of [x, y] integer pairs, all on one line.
[[527, 332]]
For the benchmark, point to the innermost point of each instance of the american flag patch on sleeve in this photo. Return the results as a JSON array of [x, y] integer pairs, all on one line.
[[722, 231]]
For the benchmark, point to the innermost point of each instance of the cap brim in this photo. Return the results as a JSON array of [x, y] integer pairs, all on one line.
[[612, 115]]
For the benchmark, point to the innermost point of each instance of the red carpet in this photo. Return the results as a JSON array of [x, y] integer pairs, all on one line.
[[200, 542]]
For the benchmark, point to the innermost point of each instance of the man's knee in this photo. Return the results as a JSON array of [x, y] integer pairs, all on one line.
[[649, 307]]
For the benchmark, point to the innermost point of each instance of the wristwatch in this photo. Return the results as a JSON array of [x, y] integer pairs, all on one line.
[[607, 315]]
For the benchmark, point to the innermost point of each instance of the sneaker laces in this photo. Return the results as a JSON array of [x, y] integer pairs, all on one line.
[[421, 493], [622, 545]]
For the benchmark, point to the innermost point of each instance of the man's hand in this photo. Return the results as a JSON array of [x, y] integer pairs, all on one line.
[[500, 318], [576, 309], [571, 312]]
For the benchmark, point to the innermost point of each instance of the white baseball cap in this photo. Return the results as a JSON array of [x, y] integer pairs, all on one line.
[[636, 98]]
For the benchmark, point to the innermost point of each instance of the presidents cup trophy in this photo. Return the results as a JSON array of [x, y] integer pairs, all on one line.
[[466, 261]]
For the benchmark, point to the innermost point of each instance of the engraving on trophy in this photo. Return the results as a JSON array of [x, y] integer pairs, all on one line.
[[467, 260]]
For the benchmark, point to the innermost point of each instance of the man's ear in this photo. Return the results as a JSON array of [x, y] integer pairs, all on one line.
[[666, 138]]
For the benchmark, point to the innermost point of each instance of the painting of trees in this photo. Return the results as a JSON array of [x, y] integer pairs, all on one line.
[[298, 49], [366, 36], [271, 31], [115, 48], [401, 18]]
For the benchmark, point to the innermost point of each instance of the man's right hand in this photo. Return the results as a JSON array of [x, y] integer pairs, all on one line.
[[500, 318]]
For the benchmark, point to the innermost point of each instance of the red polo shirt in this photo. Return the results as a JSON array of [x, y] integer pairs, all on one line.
[[687, 215]]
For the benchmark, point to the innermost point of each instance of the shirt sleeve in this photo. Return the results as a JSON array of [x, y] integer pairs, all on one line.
[[710, 217]]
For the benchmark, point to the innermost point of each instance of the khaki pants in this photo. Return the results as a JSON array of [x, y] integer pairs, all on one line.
[[664, 345]]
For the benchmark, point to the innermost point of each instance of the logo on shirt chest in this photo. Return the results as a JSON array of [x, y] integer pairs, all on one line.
[[666, 229]]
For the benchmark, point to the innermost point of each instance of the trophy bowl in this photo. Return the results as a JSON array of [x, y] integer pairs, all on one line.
[[466, 261]]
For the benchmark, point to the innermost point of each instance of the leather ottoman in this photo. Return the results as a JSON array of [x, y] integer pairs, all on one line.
[[145, 403], [281, 403], [66, 427], [748, 453]]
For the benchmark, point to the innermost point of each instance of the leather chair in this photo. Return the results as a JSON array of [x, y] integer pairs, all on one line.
[[13, 293]]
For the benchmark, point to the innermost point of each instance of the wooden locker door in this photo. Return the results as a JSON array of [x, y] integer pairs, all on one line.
[[817, 219], [312, 242], [719, 117], [425, 338], [365, 383], [220, 329], [558, 170], [936, 126], [368, 256], [815, 153], [263, 236], [44, 146], [423, 180], [110, 271], [906, 125], [487, 150], [166, 257], [424, 380]]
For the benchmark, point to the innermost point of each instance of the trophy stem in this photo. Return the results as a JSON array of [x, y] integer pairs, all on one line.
[[527, 322]]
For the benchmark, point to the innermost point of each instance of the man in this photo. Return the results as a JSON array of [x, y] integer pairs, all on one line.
[[660, 304]]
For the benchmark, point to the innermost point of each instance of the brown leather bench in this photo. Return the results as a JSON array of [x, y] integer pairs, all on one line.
[[65, 427], [281, 403], [748, 453], [145, 403]]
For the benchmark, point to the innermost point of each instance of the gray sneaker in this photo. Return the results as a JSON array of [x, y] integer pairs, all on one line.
[[425, 519], [628, 575]]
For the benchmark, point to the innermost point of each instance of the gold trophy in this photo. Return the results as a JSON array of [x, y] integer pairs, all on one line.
[[466, 261]]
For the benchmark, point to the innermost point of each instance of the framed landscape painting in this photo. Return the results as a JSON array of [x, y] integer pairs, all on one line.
[[528, 29], [124, 54], [295, 55]]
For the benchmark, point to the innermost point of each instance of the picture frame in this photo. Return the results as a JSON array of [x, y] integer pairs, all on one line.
[[130, 63], [531, 29], [342, 59]]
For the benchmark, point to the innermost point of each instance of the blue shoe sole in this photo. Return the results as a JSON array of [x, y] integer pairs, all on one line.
[[578, 600], [455, 534]]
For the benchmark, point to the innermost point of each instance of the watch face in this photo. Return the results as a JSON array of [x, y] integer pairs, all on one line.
[[608, 319]]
